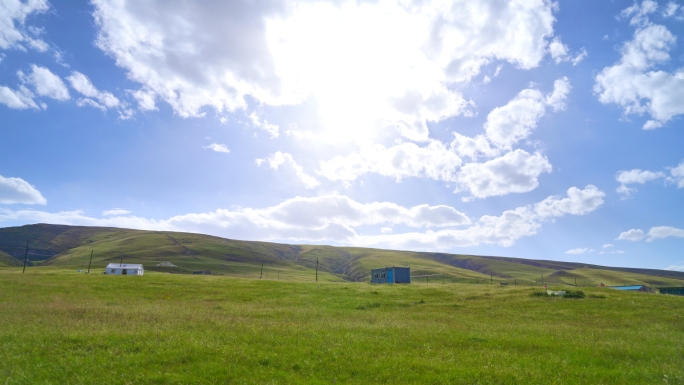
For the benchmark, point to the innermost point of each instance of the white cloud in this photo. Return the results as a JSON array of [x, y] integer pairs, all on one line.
[[386, 230], [560, 52], [334, 218], [632, 235], [678, 174], [17, 190], [637, 176], [503, 230], [279, 158], [632, 177], [661, 232], [639, 12], [218, 147], [193, 55], [115, 212], [509, 124], [675, 267], [672, 10], [21, 99], [46, 83], [13, 33], [272, 129], [608, 245], [579, 251], [633, 83], [516, 172], [473, 148], [433, 161], [85, 87]]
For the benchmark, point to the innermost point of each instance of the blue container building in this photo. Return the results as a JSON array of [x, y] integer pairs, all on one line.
[[392, 274]]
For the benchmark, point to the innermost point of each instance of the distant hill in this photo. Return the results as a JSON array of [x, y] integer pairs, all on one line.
[[70, 247]]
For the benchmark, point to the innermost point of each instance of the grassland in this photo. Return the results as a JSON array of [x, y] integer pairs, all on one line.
[[61, 327]]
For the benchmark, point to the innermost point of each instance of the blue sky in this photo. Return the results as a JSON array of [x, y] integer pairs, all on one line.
[[525, 129]]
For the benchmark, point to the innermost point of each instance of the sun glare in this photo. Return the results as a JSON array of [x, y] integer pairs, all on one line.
[[357, 62]]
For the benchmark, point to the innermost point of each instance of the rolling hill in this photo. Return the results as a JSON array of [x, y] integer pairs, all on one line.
[[70, 247]]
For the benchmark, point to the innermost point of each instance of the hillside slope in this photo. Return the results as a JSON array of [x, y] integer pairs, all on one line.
[[71, 246]]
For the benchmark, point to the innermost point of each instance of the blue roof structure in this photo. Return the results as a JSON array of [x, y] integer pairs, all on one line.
[[632, 287]]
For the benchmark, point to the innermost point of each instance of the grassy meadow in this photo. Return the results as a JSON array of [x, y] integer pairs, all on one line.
[[61, 327]]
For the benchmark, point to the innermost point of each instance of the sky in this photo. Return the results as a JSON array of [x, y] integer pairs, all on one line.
[[528, 128]]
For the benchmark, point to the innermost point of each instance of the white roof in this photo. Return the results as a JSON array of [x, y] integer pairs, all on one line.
[[125, 266]]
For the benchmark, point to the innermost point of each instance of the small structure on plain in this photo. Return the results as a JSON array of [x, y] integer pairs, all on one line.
[[392, 274], [124, 269], [672, 290], [642, 288]]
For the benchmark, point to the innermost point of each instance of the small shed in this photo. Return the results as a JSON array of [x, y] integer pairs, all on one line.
[[124, 269], [641, 288], [392, 274], [672, 290]]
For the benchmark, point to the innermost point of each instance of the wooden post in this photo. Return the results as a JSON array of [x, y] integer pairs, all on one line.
[[121, 263], [316, 269], [491, 278], [91, 261], [262, 270], [25, 257]]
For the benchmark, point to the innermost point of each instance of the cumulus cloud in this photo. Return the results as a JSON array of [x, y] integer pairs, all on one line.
[[503, 230], [17, 190], [632, 177], [279, 158], [13, 31], [657, 232], [561, 53], [632, 235], [93, 97], [516, 172], [336, 218], [637, 176], [509, 124], [45, 83], [193, 55], [272, 129], [579, 251], [17, 99], [661, 232], [218, 147], [115, 212], [608, 245], [433, 161], [634, 83], [678, 174]]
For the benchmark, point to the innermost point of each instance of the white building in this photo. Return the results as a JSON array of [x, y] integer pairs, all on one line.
[[124, 269]]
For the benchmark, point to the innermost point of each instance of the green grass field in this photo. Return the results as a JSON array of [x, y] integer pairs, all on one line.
[[61, 327]]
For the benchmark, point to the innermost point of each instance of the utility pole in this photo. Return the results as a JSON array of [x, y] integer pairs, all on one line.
[[316, 269], [262, 270], [121, 263], [25, 257], [91, 261], [491, 278]]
